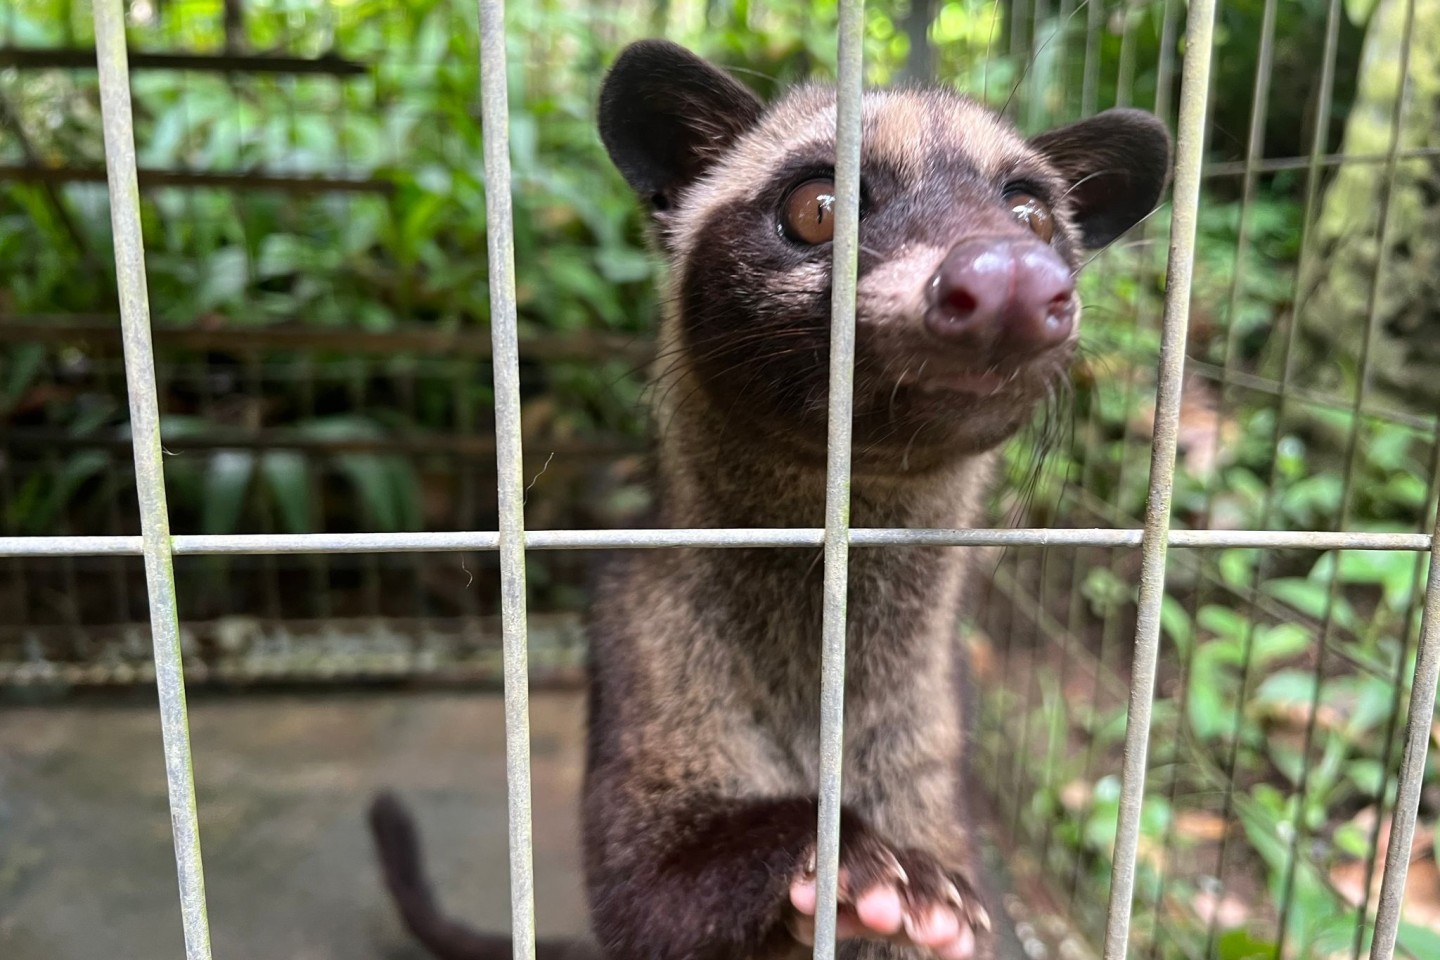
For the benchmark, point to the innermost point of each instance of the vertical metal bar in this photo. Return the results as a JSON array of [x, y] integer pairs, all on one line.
[[1038, 76], [1047, 705], [264, 506], [1194, 95], [1006, 756], [357, 386], [1027, 690], [996, 21], [1392, 723], [1125, 74], [1412, 765], [1047, 66], [1090, 81], [467, 500], [495, 118], [19, 577], [1413, 760], [319, 563], [1314, 180], [1110, 624], [837, 466], [1019, 62], [1254, 153], [1309, 216], [1065, 14], [149, 471], [1019, 12], [404, 376], [1352, 452], [119, 567], [1165, 68]]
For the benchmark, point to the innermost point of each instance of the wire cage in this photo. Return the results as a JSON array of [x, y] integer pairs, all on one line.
[[310, 378], [1160, 724]]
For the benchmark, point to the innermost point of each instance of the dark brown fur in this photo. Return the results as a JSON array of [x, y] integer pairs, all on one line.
[[699, 799]]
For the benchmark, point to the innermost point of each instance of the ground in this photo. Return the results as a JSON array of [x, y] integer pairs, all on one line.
[[87, 870]]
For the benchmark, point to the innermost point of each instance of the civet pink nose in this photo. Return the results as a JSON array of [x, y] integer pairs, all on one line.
[[1009, 297]]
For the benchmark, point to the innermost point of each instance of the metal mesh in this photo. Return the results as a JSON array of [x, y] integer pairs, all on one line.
[[1065, 716], [1028, 575]]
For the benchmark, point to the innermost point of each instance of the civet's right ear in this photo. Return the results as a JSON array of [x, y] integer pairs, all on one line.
[[666, 115], [1117, 163]]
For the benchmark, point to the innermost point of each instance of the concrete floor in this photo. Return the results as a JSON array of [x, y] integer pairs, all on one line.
[[87, 870]]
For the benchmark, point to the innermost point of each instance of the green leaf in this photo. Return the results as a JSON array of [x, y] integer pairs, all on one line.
[[285, 254], [1311, 599], [370, 477], [405, 492], [288, 482], [1389, 449], [226, 274], [1368, 701], [1313, 497], [1105, 591], [1210, 713], [1393, 571], [1223, 622], [1240, 944], [1407, 491], [24, 365], [624, 266], [39, 512], [1266, 815], [1419, 941], [386, 486], [227, 478], [433, 37], [1352, 840], [1280, 642], [1237, 566], [1286, 688], [1175, 621], [1369, 778]]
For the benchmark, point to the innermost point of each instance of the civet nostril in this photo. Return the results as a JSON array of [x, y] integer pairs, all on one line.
[[1002, 295]]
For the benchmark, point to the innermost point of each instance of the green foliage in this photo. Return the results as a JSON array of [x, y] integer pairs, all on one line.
[[1309, 737]]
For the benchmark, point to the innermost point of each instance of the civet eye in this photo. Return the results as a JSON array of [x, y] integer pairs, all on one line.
[[809, 215], [1033, 212]]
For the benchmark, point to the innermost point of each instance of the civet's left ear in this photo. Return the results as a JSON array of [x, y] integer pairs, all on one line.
[[666, 115], [1117, 164]]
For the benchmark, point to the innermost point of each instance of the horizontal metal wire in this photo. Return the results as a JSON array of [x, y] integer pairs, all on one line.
[[1312, 398], [257, 334], [1234, 168], [458, 445], [78, 58], [151, 178], [484, 540]]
